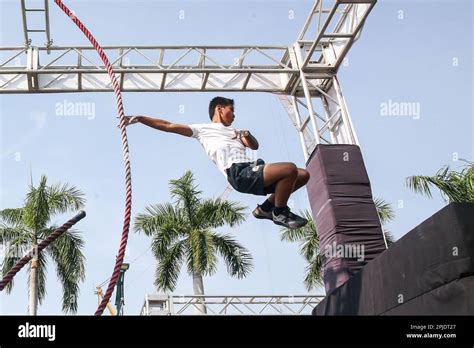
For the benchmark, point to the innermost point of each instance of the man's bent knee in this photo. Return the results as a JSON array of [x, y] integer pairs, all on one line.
[[292, 170], [304, 175]]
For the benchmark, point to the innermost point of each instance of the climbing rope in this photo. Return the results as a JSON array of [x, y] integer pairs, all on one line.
[[128, 175], [35, 251]]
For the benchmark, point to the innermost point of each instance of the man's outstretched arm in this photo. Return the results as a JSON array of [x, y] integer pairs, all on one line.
[[160, 124]]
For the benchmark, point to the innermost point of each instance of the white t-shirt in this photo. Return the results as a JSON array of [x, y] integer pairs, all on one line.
[[216, 139]]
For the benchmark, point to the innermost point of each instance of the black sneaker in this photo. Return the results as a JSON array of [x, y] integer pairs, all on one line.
[[259, 213], [288, 219]]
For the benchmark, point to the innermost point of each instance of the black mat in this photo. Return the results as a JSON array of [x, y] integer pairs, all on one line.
[[428, 271]]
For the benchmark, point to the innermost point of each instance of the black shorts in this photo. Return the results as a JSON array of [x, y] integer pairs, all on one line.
[[247, 177]]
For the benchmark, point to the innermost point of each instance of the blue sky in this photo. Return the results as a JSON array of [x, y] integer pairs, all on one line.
[[405, 54]]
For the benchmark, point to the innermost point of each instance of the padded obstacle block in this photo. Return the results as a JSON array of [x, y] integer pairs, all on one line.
[[429, 271], [344, 212]]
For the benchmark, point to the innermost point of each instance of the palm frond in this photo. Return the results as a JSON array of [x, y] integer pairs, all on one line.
[[314, 273], [203, 253], [195, 252], [294, 234], [64, 198], [160, 219], [169, 265], [419, 184], [310, 247], [9, 234], [389, 237], [12, 217], [186, 194], [237, 258], [164, 223], [162, 242], [36, 210], [306, 236], [15, 249], [454, 186], [384, 210], [213, 213], [8, 262], [69, 259]]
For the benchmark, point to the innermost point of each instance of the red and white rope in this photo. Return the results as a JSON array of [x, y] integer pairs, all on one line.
[[128, 175]]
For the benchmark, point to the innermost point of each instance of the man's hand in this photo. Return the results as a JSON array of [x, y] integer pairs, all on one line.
[[246, 139], [131, 119], [239, 134]]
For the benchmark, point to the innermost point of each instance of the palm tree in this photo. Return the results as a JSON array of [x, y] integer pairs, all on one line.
[[386, 214], [21, 229], [308, 239], [182, 231], [454, 186]]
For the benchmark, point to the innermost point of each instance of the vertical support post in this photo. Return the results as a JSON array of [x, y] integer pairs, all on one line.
[[306, 92], [298, 125], [120, 290]]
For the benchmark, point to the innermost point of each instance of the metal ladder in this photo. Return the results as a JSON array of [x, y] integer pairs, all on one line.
[[25, 11]]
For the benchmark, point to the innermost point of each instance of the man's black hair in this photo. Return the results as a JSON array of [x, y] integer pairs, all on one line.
[[218, 101]]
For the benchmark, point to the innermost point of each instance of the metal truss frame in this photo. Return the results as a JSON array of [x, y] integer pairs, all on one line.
[[230, 304], [303, 75]]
